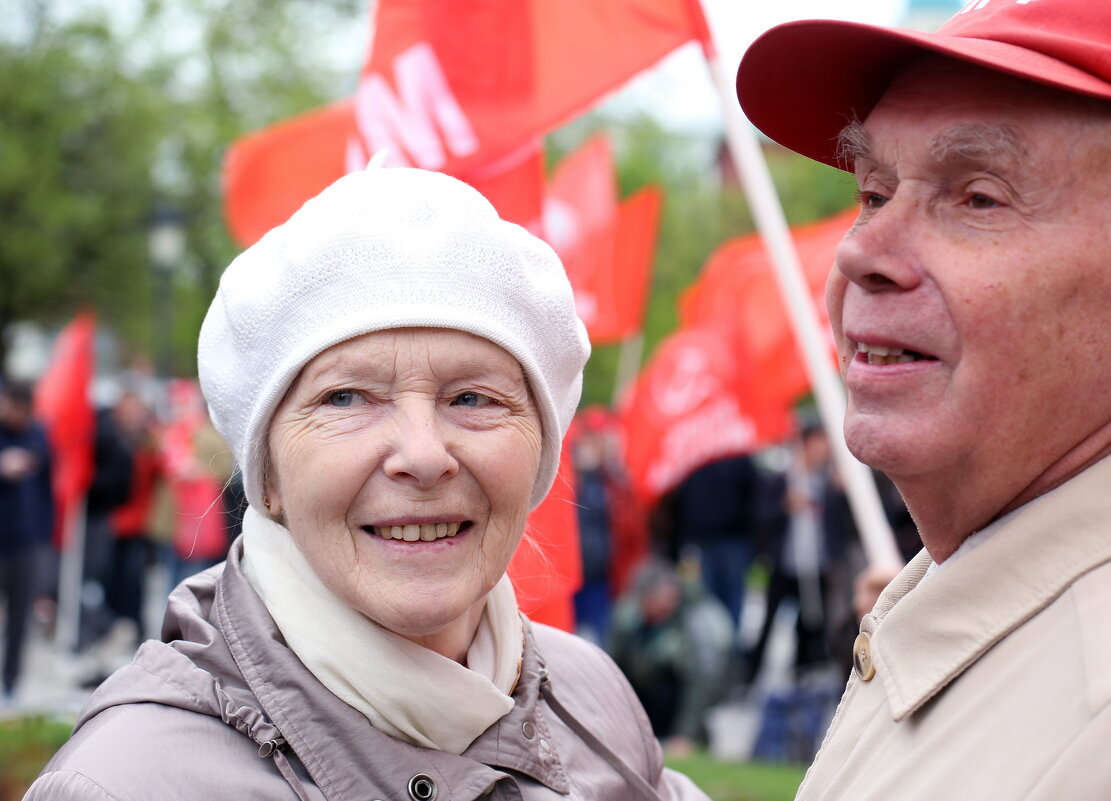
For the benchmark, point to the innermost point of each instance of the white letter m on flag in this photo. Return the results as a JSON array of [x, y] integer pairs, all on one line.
[[410, 124]]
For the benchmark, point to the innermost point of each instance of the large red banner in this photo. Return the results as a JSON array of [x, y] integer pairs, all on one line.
[[726, 382], [693, 403], [466, 87], [738, 295]]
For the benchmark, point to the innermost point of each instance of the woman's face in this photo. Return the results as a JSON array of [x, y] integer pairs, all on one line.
[[403, 462]]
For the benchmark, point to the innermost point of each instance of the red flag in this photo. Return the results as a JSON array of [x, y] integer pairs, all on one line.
[[455, 86], [737, 294], [623, 293], [547, 568], [694, 402], [606, 247], [580, 223], [270, 173], [62, 404], [517, 192]]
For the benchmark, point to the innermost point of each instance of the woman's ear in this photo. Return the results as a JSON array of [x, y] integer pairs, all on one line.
[[271, 493], [272, 503]]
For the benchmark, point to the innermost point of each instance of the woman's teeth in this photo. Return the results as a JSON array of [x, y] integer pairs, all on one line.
[[427, 532]]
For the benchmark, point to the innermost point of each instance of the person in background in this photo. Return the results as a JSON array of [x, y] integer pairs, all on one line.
[[969, 305], [595, 471], [714, 514], [816, 530], [674, 641], [132, 551], [395, 368], [110, 489], [26, 519]]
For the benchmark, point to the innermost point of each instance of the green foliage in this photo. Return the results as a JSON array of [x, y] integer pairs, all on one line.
[[102, 118], [26, 744], [76, 136], [740, 781]]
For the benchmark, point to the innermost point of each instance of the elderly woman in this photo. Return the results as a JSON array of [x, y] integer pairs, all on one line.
[[395, 368]]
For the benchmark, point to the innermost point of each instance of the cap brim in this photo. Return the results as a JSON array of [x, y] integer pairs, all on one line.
[[801, 82]]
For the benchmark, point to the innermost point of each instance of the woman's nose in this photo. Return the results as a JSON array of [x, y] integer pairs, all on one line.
[[879, 253], [420, 452]]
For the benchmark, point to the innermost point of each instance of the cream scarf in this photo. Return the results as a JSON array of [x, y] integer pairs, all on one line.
[[405, 690]]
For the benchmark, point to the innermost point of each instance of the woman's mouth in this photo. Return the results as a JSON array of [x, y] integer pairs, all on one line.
[[425, 532]]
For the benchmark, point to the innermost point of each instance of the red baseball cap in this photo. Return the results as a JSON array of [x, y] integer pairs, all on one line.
[[801, 82]]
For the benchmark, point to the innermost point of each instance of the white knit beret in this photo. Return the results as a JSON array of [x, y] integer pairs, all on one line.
[[380, 249]]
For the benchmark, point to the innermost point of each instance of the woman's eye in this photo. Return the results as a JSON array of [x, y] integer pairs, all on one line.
[[344, 398], [471, 399]]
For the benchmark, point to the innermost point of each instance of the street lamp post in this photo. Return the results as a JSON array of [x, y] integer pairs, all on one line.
[[166, 245]]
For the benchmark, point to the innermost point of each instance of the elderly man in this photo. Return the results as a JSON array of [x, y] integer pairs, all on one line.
[[971, 304]]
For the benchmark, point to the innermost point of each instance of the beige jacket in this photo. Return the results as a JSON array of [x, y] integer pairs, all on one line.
[[993, 675]]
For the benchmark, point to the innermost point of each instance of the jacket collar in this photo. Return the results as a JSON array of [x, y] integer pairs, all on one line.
[[345, 756], [926, 632]]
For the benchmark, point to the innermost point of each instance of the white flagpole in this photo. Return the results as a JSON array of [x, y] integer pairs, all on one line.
[[875, 532], [67, 619]]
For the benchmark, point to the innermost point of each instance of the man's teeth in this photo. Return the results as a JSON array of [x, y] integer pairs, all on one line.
[[427, 532], [879, 354]]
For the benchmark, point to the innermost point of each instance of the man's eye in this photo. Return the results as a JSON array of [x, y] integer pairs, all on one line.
[[344, 398], [979, 201], [471, 399], [870, 200]]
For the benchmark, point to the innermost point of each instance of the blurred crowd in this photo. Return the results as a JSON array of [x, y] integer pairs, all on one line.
[[688, 602], [164, 502], [686, 596]]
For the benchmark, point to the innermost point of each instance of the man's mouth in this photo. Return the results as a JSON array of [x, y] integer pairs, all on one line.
[[881, 354], [426, 532]]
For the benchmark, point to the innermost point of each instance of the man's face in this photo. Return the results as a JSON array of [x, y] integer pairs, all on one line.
[[971, 301]]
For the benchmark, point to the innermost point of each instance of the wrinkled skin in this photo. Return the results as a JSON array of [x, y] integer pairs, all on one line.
[[983, 250], [401, 428]]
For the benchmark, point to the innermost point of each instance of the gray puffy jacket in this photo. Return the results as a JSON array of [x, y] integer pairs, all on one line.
[[223, 709]]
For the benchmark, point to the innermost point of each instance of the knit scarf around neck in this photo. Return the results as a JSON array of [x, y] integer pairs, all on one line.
[[405, 690]]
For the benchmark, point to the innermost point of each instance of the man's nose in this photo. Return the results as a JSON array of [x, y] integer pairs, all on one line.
[[420, 451], [880, 252]]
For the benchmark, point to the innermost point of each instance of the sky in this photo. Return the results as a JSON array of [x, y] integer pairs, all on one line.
[[679, 89]]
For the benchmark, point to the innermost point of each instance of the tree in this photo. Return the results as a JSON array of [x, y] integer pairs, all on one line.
[[103, 118], [76, 136]]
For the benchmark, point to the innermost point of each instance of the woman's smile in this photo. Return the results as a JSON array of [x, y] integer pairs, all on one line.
[[418, 532], [403, 463]]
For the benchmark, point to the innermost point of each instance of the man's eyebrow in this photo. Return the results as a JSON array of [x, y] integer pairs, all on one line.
[[853, 143], [983, 143]]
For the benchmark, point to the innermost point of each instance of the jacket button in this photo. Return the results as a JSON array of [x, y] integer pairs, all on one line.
[[422, 787], [528, 730], [862, 657]]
